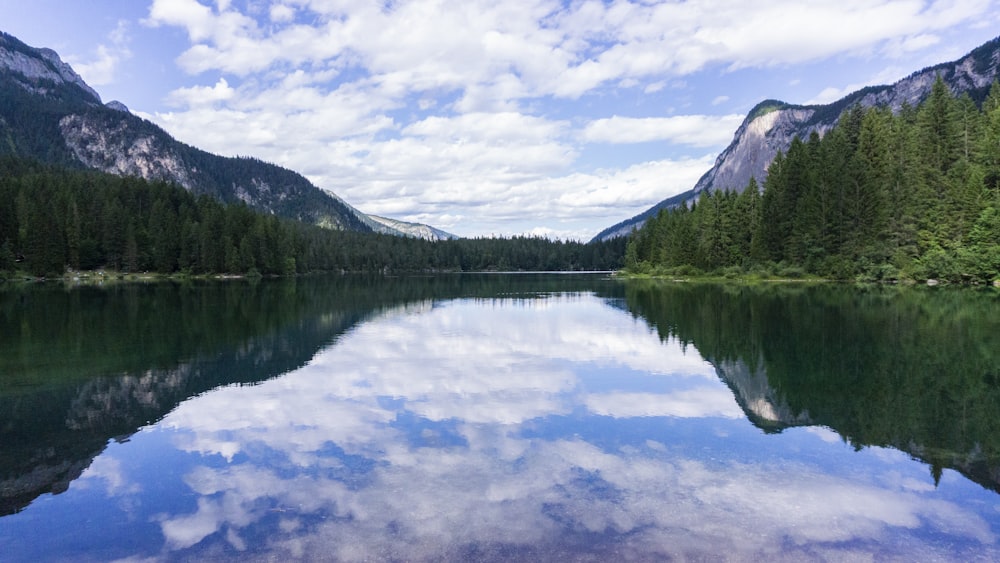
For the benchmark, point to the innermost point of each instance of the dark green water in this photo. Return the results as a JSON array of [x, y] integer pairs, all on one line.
[[498, 417]]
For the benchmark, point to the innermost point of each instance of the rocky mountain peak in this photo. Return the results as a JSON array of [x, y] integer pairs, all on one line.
[[76, 128], [38, 65], [117, 106], [771, 125]]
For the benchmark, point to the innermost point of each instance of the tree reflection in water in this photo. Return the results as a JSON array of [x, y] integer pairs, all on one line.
[[499, 417]]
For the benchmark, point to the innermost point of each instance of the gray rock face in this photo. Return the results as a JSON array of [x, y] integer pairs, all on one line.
[[771, 126], [415, 230], [117, 150], [36, 65], [755, 145]]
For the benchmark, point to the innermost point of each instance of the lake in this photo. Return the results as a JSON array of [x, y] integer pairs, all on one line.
[[498, 417]]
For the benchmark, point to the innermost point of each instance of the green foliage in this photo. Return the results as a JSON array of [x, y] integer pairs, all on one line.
[[880, 197], [7, 259], [981, 258], [60, 219], [764, 108]]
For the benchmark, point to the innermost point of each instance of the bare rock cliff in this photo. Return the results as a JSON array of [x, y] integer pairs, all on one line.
[[38, 66], [118, 151]]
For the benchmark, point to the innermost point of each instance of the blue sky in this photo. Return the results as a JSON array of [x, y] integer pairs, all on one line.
[[488, 118]]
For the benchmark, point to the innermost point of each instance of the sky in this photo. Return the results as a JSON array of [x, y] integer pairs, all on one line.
[[483, 118]]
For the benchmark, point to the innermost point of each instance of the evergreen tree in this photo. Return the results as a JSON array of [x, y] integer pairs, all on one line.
[[771, 236], [867, 212], [8, 262], [880, 195], [988, 150], [808, 225]]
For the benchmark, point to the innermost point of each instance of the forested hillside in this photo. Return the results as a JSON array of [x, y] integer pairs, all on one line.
[[771, 125], [48, 114], [54, 219], [882, 196]]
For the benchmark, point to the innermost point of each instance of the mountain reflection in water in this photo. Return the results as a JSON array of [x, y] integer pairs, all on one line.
[[497, 418], [916, 369]]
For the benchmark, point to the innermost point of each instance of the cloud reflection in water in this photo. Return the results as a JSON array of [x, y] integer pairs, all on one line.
[[425, 435]]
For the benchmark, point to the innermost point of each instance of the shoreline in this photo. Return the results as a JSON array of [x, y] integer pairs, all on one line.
[[98, 277], [101, 277], [805, 279]]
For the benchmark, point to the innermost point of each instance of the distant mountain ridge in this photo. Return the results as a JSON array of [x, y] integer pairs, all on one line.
[[416, 230], [48, 113], [772, 124]]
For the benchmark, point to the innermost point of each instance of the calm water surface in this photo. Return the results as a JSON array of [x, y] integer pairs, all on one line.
[[498, 418]]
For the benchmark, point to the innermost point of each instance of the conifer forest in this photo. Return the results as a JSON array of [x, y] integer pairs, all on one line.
[[882, 196]]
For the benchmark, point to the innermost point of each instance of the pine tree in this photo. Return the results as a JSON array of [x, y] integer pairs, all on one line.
[[771, 236], [938, 152], [44, 246], [164, 235], [867, 214], [988, 150], [8, 262], [805, 240], [981, 258]]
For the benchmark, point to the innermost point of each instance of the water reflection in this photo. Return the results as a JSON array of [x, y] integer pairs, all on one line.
[[917, 369], [535, 426], [442, 433], [82, 366]]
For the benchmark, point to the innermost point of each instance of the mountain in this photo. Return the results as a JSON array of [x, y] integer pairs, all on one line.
[[416, 230], [771, 125], [47, 112]]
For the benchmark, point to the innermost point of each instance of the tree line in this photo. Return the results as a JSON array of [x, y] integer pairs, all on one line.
[[55, 219], [881, 196]]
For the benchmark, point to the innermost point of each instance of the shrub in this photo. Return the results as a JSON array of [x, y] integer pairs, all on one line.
[[791, 272]]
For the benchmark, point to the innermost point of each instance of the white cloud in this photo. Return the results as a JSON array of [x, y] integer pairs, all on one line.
[[438, 501], [618, 194], [655, 87], [191, 15], [110, 470], [825, 434], [201, 95], [637, 186], [186, 531], [491, 383], [489, 167], [697, 403], [506, 128], [437, 109], [553, 49], [281, 13], [544, 232], [447, 365], [492, 165], [103, 66], [694, 130]]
